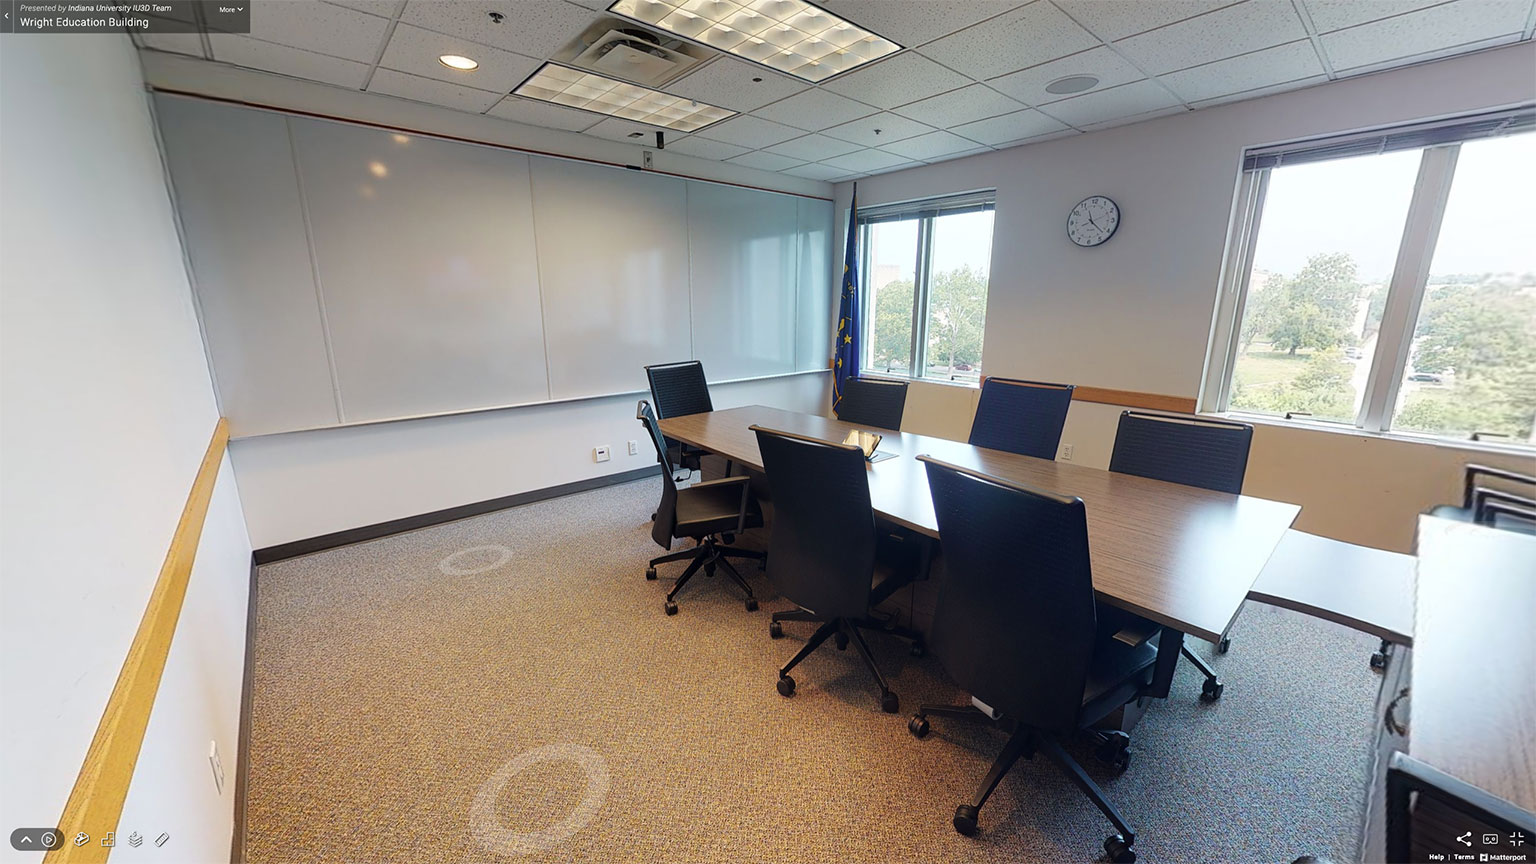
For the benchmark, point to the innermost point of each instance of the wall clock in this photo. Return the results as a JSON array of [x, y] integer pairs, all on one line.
[[1093, 221]]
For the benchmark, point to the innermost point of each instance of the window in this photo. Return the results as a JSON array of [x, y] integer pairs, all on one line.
[[1386, 282], [925, 274]]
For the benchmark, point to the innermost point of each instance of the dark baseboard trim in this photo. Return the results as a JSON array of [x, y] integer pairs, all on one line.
[[311, 545], [243, 757]]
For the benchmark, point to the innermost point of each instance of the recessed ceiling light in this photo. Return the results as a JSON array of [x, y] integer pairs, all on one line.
[[788, 35], [1072, 84], [459, 62], [576, 89]]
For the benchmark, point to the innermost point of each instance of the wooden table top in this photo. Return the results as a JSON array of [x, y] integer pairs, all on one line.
[[1474, 659], [1367, 589], [1181, 556]]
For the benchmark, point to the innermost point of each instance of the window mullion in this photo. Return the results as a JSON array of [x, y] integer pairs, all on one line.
[[919, 356], [1406, 291]]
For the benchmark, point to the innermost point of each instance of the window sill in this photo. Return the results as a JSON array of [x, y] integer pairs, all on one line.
[[891, 376], [1501, 448]]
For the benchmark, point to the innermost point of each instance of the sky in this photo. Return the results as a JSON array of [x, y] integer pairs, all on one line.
[[959, 239], [1359, 205]]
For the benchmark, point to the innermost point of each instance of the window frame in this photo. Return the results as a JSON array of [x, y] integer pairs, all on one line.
[[924, 212], [1405, 291]]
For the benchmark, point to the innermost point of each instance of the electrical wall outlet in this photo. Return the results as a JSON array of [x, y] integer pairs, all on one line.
[[634, 448], [1066, 452], [600, 454], [217, 765]]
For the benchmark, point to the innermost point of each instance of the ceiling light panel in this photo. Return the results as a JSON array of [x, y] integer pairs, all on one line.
[[577, 89], [788, 35]]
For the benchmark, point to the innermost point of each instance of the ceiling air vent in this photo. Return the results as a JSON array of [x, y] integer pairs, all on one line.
[[624, 50]]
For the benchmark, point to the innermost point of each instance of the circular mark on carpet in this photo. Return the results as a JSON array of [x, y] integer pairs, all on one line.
[[451, 565], [497, 838]]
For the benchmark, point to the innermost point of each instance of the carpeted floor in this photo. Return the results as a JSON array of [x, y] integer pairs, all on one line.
[[507, 688]]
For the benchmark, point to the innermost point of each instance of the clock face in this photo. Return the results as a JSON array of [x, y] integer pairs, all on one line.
[[1093, 221]]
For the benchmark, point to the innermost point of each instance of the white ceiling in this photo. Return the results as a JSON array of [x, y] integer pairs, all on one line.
[[973, 78]]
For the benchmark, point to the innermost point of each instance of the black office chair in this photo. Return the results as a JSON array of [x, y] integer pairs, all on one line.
[[1498, 507], [1191, 451], [678, 389], [872, 402], [1016, 626], [823, 542], [711, 513], [1023, 417]]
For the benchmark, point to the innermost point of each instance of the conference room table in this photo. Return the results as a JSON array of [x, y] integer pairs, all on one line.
[[1182, 557]]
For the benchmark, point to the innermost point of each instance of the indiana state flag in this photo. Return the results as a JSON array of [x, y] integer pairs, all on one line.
[[846, 364]]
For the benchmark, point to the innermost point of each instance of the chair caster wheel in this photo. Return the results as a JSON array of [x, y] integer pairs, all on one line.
[[786, 686], [841, 639], [751, 604], [650, 573], [775, 630], [889, 703], [1379, 660], [1210, 691], [1117, 850], [918, 726], [918, 649], [1115, 751], [709, 570], [1223, 646], [965, 819], [728, 538], [671, 607]]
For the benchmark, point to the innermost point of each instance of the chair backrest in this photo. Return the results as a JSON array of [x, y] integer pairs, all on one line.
[[821, 554], [873, 402], [1023, 417], [679, 388], [1194, 451], [666, 511], [1015, 619]]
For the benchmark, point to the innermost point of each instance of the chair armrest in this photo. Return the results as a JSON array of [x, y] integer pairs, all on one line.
[[1138, 632], [1474, 470], [742, 480], [1484, 497]]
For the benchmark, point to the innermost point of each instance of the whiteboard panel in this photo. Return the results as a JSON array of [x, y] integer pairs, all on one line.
[[815, 306], [613, 262], [238, 200], [743, 248], [425, 255]]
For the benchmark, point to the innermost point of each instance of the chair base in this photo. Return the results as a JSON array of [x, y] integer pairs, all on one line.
[[846, 630], [708, 555], [1025, 742], [1211, 690]]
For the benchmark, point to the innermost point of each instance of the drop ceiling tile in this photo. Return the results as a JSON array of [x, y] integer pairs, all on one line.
[[1116, 19], [271, 57], [596, 5], [817, 172], [815, 109], [866, 160], [1276, 65], [1329, 15], [965, 105], [1262, 91], [704, 148], [320, 27], [729, 83], [1227, 32], [813, 148], [897, 80], [1028, 85], [386, 8], [1009, 127], [1020, 39], [392, 83], [176, 43], [930, 146], [414, 50], [533, 28], [533, 112], [1135, 118], [1434, 29], [910, 24], [618, 129], [748, 131], [1106, 105], [766, 161], [878, 129]]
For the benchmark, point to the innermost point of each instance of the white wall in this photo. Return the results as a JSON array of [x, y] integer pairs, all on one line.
[[107, 412], [1135, 313]]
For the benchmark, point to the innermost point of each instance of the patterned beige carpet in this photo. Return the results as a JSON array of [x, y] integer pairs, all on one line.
[[506, 688]]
